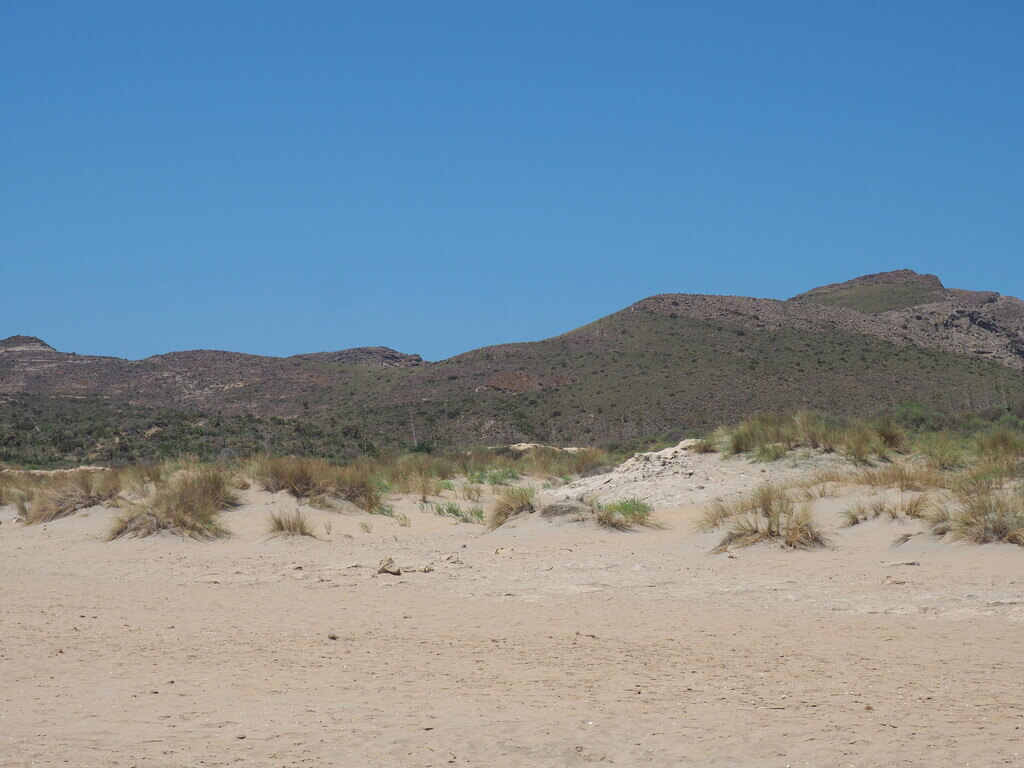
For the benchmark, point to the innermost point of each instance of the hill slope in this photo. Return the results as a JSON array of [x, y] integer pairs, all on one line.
[[668, 363]]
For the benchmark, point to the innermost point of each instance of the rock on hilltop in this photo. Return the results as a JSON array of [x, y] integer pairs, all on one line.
[[24, 344]]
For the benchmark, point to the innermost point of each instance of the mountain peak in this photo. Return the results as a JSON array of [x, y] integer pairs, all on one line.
[[24, 344]]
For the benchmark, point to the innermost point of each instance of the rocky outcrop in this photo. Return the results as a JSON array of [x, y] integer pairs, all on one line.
[[24, 344], [373, 356], [978, 323]]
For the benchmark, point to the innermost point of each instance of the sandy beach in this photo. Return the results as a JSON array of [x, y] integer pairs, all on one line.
[[538, 644]]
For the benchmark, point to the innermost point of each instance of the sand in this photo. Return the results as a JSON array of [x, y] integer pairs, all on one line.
[[540, 644]]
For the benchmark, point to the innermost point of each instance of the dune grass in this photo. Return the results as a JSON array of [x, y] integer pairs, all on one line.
[[290, 524], [510, 502], [624, 514], [473, 514], [319, 480], [63, 495], [986, 512], [769, 514], [188, 504], [770, 437]]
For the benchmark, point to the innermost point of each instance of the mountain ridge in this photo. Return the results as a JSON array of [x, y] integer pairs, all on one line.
[[666, 363]]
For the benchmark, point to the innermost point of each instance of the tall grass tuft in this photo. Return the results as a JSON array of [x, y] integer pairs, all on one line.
[[624, 514], [511, 501], [67, 494], [189, 504], [1000, 445], [986, 513], [768, 514], [940, 450], [306, 478], [474, 514], [291, 524]]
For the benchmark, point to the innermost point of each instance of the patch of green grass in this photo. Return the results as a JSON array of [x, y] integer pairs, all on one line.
[[474, 514], [624, 514]]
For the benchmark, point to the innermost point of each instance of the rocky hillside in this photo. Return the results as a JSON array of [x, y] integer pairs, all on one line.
[[666, 364], [197, 379]]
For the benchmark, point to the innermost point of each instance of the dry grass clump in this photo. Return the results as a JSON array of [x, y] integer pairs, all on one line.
[[704, 445], [409, 474], [823, 483], [301, 477], [815, 431], [1000, 445], [759, 431], [940, 450], [291, 524], [771, 436], [893, 437], [543, 460], [799, 531], [717, 514], [986, 512], [63, 495], [915, 506], [905, 475], [769, 514], [860, 442], [470, 492], [306, 478], [357, 485], [581, 462], [426, 486], [624, 514], [511, 501], [139, 476], [188, 504]]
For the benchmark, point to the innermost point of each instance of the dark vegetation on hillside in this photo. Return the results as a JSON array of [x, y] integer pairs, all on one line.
[[44, 432], [39, 431]]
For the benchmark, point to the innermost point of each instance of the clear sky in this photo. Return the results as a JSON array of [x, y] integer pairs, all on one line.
[[436, 176]]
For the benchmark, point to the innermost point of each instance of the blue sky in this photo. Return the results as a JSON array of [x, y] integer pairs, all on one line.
[[436, 176]]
